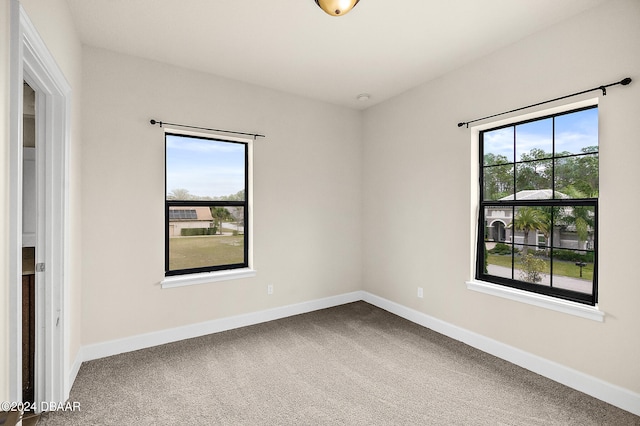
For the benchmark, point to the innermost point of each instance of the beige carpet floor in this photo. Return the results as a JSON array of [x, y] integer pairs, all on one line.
[[350, 365]]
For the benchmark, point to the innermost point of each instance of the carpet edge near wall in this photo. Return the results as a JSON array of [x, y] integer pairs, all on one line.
[[615, 395]]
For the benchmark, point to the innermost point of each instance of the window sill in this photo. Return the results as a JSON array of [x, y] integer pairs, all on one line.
[[540, 300], [207, 277]]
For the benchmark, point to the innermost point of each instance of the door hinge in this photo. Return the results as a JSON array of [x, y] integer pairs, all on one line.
[[39, 267]]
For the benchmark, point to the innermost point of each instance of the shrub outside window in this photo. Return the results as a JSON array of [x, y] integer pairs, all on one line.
[[206, 207], [538, 218]]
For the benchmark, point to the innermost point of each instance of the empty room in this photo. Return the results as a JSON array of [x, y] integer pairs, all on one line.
[[319, 212]]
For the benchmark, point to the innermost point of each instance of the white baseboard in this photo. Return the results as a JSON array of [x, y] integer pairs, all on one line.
[[133, 343], [73, 373], [612, 394]]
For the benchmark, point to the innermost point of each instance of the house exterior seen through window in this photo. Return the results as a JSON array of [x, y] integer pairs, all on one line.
[[206, 208], [538, 218]]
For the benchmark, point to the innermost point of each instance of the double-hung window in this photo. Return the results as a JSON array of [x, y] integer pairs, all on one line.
[[538, 215], [206, 204]]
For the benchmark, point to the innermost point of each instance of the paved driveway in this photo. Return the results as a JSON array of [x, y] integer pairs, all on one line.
[[559, 281]]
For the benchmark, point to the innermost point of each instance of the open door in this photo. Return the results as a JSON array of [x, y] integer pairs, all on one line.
[[29, 228], [32, 63]]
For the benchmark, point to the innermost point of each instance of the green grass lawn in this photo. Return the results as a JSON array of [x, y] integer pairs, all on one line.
[[209, 250], [567, 269]]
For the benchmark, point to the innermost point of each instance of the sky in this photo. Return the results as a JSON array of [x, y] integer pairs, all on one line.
[[573, 132], [204, 167]]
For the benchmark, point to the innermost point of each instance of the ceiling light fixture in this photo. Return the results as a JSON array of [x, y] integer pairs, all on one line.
[[337, 7]]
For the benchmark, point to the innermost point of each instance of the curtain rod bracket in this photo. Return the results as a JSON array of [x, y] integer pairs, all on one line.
[[604, 90]]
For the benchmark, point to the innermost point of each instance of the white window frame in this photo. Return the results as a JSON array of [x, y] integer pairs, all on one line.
[[522, 296], [174, 281]]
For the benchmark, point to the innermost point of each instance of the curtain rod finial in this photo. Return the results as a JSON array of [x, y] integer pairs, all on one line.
[[461, 124], [625, 81], [154, 122]]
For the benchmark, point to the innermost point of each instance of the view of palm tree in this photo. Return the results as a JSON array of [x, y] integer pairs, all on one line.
[[539, 197], [527, 219]]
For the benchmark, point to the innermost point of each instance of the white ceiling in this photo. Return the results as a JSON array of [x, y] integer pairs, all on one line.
[[381, 47]]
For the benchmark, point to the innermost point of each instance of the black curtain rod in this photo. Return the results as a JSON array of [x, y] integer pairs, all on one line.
[[623, 82], [255, 135]]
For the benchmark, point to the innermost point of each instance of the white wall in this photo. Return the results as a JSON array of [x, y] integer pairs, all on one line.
[[307, 202], [4, 200], [418, 189]]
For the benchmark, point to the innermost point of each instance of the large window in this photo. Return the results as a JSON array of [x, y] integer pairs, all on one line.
[[538, 218], [206, 208]]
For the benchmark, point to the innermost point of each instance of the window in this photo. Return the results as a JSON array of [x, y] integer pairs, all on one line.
[[538, 217], [206, 204]]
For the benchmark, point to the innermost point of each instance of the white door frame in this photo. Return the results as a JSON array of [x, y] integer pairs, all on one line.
[[32, 62]]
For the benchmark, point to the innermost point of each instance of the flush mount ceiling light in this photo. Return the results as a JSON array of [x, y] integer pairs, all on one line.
[[337, 7]]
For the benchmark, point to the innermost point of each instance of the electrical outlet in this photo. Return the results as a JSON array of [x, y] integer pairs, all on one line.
[[420, 292], [270, 289]]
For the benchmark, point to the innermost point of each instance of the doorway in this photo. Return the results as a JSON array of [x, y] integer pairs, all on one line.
[[29, 210], [499, 230], [32, 63]]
